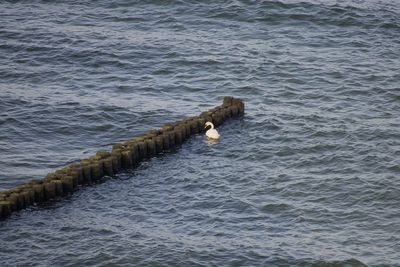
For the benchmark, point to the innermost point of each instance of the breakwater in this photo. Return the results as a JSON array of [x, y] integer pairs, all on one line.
[[123, 156]]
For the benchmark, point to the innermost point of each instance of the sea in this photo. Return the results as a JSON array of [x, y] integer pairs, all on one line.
[[308, 176]]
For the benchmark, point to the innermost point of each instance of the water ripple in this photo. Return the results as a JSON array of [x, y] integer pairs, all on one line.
[[308, 177]]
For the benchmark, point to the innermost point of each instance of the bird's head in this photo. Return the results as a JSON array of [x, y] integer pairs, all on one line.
[[208, 125]]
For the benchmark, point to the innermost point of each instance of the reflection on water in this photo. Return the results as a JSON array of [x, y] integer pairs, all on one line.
[[211, 141]]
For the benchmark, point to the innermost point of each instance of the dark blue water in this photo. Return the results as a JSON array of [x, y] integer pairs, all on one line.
[[310, 176]]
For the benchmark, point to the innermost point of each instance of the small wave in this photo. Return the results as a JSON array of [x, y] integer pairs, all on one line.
[[274, 208], [352, 262]]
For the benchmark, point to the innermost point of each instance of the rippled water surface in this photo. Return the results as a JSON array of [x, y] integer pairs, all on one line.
[[310, 176]]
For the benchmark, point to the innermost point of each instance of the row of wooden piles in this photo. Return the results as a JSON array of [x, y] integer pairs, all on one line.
[[123, 156]]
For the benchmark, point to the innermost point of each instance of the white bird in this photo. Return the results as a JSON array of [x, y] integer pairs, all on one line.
[[211, 133]]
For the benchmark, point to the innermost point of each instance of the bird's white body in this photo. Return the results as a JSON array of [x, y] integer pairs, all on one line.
[[212, 133]]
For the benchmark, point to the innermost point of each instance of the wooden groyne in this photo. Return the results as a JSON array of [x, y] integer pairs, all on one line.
[[123, 156]]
